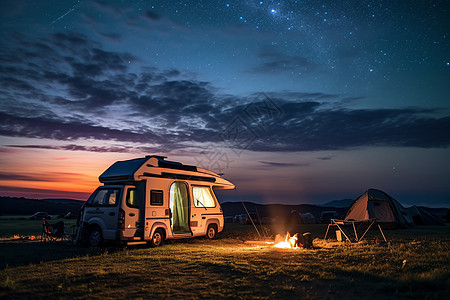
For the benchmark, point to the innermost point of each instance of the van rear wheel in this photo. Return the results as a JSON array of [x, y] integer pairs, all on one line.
[[157, 238], [211, 232], [95, 237]]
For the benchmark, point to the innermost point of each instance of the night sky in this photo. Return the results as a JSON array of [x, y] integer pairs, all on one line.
[[294, 101]]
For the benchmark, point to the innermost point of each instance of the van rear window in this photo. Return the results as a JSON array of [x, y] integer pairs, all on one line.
[[156, 197], [131, 198]]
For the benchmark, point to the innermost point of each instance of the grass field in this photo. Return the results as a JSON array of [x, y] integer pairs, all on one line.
[[414, 264]]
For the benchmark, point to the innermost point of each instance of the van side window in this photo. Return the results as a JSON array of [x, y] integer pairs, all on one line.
[[156, 197], [98, 199], [203, 197], [112, 197], [131, 198]]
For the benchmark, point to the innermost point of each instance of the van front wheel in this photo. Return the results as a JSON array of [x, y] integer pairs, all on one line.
[[157, 238], [211, 232], [95, 237]]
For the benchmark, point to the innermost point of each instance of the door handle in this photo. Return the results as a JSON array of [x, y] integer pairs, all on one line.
[[131, 214], [203, 218], [112, 213]]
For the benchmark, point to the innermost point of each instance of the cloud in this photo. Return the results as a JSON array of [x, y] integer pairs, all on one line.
[[85, 92], [44, 177], [278, 164], [13, 176], [325, 157], [35, 193], [112, 36], [42, 128], [74, 147], [274, 61], [152, 15]]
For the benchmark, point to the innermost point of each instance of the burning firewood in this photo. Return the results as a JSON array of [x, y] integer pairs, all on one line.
[[295, 241]]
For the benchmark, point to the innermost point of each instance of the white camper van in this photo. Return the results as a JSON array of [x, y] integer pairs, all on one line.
[[149, 200]]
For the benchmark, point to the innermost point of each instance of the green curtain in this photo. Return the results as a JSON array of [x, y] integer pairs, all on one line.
[[180, 208]]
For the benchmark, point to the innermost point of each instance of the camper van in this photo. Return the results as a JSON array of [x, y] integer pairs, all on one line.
[[150, 200]]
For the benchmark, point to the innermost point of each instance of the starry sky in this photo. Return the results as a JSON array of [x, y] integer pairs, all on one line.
[[294, 101]]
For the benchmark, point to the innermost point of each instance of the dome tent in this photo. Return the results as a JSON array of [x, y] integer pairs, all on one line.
[[421, 217], [379, 205]]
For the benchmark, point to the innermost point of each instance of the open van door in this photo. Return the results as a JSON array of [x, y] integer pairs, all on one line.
[[179, 208], [129, 218]]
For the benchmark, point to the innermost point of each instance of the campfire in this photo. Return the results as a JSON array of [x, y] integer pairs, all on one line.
[[289, 242], [294, 242]]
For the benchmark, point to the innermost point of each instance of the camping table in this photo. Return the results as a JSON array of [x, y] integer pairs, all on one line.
[[341, 223]]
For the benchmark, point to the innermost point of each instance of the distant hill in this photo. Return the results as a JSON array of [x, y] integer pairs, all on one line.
[[274, 210], [23, 206], [339, 203]]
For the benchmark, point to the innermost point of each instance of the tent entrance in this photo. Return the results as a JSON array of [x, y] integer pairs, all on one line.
[[179, 206], [382, 210]]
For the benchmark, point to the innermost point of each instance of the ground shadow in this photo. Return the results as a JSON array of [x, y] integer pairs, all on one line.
[[18, 252]]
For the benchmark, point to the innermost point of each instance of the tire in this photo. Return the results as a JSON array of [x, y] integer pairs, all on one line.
[[157, 238], [211, 232], [95, 237]]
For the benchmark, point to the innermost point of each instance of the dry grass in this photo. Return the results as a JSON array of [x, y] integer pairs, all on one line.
[[413, 265]]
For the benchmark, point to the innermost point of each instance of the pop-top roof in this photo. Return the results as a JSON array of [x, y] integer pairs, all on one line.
[[122, 170], [125, 170]]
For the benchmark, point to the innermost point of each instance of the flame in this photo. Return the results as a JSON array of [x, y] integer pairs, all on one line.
[[290, 242]]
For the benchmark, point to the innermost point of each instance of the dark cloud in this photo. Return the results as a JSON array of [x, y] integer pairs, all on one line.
[[44, 177], [74, 147], [330, 129], [112, 36], [106, 6], [89, 93], [13, 176], [152, 16], [58, 130], [274, 61], [278, 164], [325, 158], [42, 193]]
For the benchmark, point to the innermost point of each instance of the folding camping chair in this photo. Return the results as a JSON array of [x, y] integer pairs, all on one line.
[[54, 232], [346, 226]]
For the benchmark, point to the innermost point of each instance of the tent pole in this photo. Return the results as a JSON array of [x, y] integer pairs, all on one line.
[[260, 223], [382, 233], [354, 229], [373, 221], [326, 233], [248, 214]]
